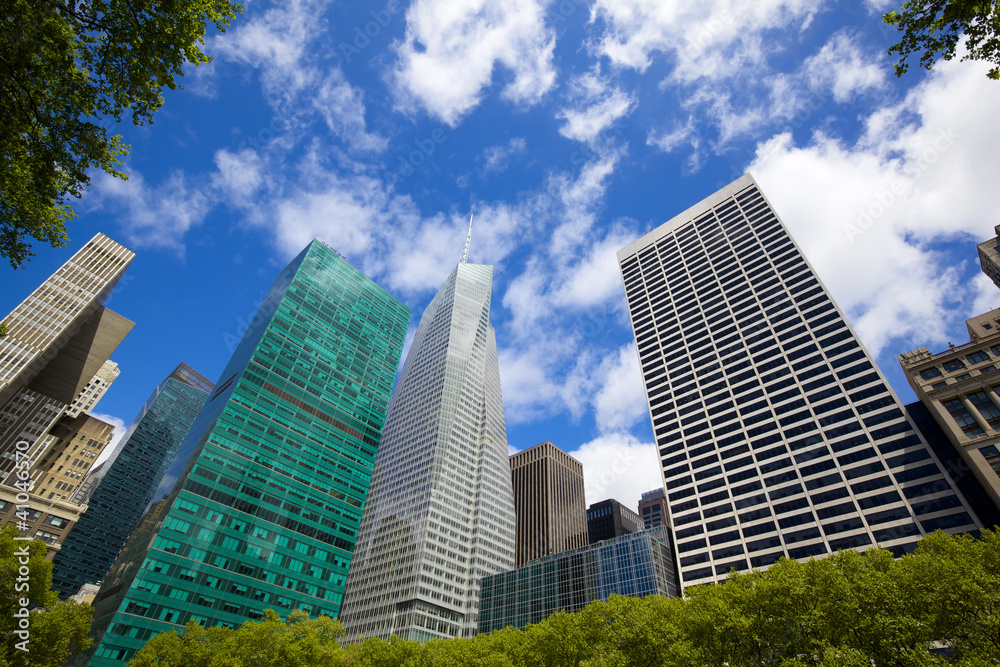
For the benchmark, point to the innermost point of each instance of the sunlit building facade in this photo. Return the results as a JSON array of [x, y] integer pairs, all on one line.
[[440, 513], [261, 506], [777, 434], [549, 501]]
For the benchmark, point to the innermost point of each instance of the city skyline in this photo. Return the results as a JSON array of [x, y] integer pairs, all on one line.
[[626, 123]]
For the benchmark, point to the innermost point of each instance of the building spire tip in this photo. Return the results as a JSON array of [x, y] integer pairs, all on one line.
[[468, 240]]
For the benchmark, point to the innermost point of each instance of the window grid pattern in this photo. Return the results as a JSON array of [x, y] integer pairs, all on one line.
[[440, 513], [761, 397], [272, 477], [636, 565]]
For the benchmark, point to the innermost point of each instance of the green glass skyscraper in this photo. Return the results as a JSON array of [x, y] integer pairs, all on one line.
[[118, 497], [262, 504]]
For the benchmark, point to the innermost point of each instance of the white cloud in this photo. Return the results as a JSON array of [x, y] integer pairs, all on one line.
[[619, 466], [497, 158], [238, 176], [843, 68], [867, 214], [120, 430], [594, 104], [154, 217], [620, 401], [279, 43], [452, 48], [713, 39]]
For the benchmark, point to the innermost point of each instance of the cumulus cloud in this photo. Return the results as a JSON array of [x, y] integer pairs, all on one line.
[[452, 48], [620, 466], [151, 216], [120, 430], [843, 68], [711, 39], [594, 104], [497, 158], [867, 214], [279, 44]]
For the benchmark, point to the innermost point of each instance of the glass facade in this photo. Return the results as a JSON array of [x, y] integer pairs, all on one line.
[[636, 565], [261, 506], [777, 434], [128, 480], [440, 514], [609, 519]]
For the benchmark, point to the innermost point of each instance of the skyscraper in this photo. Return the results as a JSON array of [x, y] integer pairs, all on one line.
[[261, 506], [123, 488], [608, 519], [58, 340], [777, 434], [440, 513], [549, 502], [653, 508]]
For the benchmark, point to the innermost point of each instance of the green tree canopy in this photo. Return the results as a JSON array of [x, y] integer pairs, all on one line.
[[68, 68], [937, 26], [53, 630], [848, 610]]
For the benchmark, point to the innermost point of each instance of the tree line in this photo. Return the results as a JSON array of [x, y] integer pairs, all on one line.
[[937, 606]]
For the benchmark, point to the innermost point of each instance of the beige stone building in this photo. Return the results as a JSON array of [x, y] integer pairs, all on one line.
[[549, 502], [960, 388], [76, 444]]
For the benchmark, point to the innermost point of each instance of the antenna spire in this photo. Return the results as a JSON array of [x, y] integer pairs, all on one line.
[[468, 240]]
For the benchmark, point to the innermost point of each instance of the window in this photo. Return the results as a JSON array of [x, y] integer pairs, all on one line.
[[931, 373], [953, 365], [977, 357], [989, 451], [986, 408], [962, 417], [938, 385]]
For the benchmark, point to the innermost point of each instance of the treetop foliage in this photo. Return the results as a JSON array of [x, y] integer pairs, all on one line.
[[848, 610], [936, 27], [56, 629], [67, 69]]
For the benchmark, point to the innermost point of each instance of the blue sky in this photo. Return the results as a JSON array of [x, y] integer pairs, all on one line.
[[569, 128]]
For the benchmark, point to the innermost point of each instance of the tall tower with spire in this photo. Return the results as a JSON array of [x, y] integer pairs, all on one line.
[[440, 510]]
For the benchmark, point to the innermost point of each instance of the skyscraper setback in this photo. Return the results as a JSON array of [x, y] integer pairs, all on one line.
[[777, 434], [261, 506], [440, 513], [59, 338]]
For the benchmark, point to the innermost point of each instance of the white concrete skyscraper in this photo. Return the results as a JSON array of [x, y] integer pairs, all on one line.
[[440, 510], [777, 434]]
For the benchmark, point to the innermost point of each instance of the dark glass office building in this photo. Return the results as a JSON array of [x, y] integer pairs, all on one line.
[[261, 507], [777, 434], [636, 565], [609, 519], [130, 477]]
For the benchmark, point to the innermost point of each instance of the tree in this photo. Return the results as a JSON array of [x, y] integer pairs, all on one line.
[[297, 641], [53, 630], [937, 26], [67, 69]]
